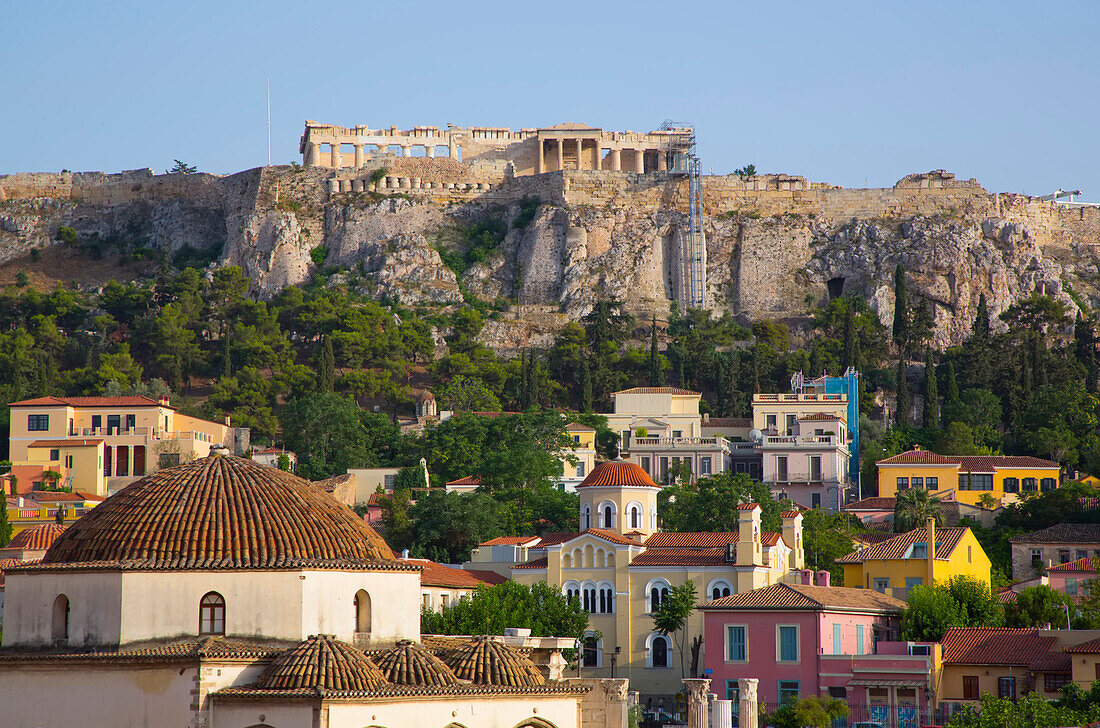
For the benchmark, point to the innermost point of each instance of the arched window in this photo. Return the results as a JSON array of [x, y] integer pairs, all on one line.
[[362, 611], [607, 515], [590, 599], [607, 598], [61, 617], [578, 558], [567, 561], [586, 519], [212, 614], [658, 593], [635, 517], [719, 588], [657, 646], [571, 590]]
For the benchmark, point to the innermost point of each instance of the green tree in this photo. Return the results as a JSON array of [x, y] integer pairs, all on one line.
[[467, 394], [913, 507], [902, 406], [980, 328], [327, 432], [931, 394], [957, 439], [710, 504], [490, 609], [962, 602], [654, 356], [825, 538], [672, 616], [181, 168], [445, 527], [817, 711], [326, 367], [1030, 711], [177, 350], [5, 525], [1039, 605], [901, 312]]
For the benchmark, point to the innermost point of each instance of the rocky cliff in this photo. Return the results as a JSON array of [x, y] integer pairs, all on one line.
[[776, 245]]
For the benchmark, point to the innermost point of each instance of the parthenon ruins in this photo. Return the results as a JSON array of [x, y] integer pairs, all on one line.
[[493, 151]]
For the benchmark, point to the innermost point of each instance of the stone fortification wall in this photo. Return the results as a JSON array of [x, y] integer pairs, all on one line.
[[98, 188]]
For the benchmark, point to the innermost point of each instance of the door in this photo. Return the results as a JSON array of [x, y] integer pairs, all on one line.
[[114, 423]]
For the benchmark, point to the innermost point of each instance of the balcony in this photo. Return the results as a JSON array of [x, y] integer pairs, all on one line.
[[792, 478], [148, 433], [681, 443], [802, 397], [808, 442]]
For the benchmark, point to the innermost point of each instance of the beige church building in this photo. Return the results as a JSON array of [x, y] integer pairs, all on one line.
[[222, 593], [621, 567]]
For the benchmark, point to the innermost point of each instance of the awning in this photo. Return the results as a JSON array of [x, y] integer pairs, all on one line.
[[887, 684]]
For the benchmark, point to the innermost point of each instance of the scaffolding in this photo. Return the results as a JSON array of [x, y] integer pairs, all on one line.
[[683, 162]]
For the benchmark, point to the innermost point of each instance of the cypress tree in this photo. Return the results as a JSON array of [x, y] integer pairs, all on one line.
[[931, 394], [1039, 372], [586, 386], [851, 342], [654, 356], [532, 380], [5, 525], [901, 311], [951, 386], [326, 367], [901, 410], [756, 369], [980, 329], [1084, 339]]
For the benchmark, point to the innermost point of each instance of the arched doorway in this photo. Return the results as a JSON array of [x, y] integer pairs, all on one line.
[[60, 629], [362, 612]]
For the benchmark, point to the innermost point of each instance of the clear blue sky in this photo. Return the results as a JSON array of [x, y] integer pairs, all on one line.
[[850, 93]]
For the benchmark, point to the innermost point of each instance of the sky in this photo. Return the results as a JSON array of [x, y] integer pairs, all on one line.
[[852, 93]]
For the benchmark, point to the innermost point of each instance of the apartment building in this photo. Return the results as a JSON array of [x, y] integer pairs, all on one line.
[[98, 445]]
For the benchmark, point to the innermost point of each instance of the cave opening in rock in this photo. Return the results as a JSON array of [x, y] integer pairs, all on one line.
[[836, 287]]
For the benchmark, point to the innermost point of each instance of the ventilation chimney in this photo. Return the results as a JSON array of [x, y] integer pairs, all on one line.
[[823, 578], [404, 554], [806, 577], [164, 401]]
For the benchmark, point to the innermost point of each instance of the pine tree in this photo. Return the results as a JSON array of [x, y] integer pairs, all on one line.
[[756, 369], [931, 394], [851, 342], [1040, 377], [532, 381], [902, 407], [901, 311], [654, 356], [951, 386], [326, 367], [980, 330], [1084, 340]]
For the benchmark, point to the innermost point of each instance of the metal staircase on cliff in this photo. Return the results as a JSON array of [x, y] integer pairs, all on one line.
[[683, 162]]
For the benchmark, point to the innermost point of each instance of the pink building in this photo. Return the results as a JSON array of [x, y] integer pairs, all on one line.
[[1075, 578], [801, 640]]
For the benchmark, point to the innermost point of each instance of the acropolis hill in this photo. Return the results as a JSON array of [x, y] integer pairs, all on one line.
[[585, 214]]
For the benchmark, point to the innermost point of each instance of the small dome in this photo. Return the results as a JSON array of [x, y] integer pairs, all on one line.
[[618, 472], [410, 663], [322, 662], [484, 661], [220, 512], [36, 538]]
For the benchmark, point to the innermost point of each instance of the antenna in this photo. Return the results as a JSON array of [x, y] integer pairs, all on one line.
[[269, 120]]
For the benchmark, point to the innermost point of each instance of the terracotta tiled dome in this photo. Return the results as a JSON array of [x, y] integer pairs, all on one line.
[[410, 663], [220, 512], [322, 661], [618, 472], [36, 538], [485, 661]]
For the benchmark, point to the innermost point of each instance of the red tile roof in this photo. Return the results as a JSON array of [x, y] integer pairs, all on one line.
[[139, 401], [539, 563], [690, 540], [747, 506], [489, 577], [510, 541], [7, 564], [770, 539], [1007, 596], [988, 463], [36, 538], [681, 557], [1092, 646], [322, 661], [75, 442], [801, 596], [896, 547], [1089, 564], [995, 646], [1051, 662], [612, 536], [411, 663], [919, 457], [484, 661], [618, 473], [875, 503], [727, 422], [655, 390], [1062, 533], [60, 496], [578, 427], [468, 480], [790, 514], [433, 574], [872, 537], [220, 512], [555, 538]]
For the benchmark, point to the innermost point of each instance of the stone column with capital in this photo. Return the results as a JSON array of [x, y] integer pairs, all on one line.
[[698, 713], [748, 715], [580, 153], [335, 161], [616, 160], [561, 154], [312, 150], [358, 156], [540, 165], [639, 161]]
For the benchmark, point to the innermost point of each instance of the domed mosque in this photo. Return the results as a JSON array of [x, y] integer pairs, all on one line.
[[227, 594]]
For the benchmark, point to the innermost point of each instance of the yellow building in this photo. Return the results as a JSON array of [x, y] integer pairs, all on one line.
[[921, 556], [583, 451], [621, 568], [967, 478], [40, 508], [100, 444]]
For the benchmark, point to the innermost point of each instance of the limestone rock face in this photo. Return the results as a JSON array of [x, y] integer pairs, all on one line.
[[408, 269], [272, 251]]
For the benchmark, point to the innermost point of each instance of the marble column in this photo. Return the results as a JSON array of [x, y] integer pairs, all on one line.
[[639, 161], [431, 150], [662, 161], [580, 153], [336, 155], [406, 151], [616, 160], [358, 156], [561, 154], [599, 157], [698, 712], [312, 150], [748, 712], [540, 164]]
